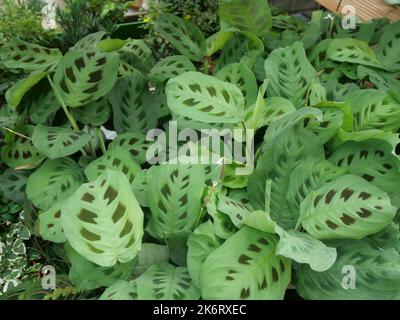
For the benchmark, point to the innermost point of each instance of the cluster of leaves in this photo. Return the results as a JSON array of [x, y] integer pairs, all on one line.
[[204, 14], [16, 264], [23, 18], [324, 193], [75, 19], [80, 17]]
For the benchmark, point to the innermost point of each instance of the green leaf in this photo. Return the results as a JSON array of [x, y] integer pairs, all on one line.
[[251, 16], [333, 120], [117, 159], [103, 221], [217, 41], [311, 174], [223, 226], [174, 196], [139, 187], [389, 137], [19, 152], [57, 142], [43, 106], [171, 67], [273, 109], [18, 54], [347, 208], [89, 42], [280, 127], [261, 220], [205, 99], [166, 282], [371, 159], [121, 290], [110, 45], [149, 255], [201, 244], [95, 113], [237, 211], [12, 184], [233, 51], [374, 109], [53, 182], [49, 221], [374, 272], [389, 46], [85, 76], [303, 248], [290, 74], [382, 80], [132, 105], [352, 51], [183, 35], [135, 143], [276, 163], [86, 275], [15, 94], [242, 77], [246, 267], [137, 54]]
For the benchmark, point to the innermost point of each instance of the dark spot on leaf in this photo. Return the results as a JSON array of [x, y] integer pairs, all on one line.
[[166, 191], [245, 293], [317, 199], [118, 213], [263, 241], [364, 195], [87, 197], [275, 275], [183, 200], [346, 194], [282, 265], [127, 228], [243, 259], [110, 194], [101, 61], [368, 177], [96, 76], [254, 248], [347, 220], [329, 196], [364, 213], [87, 216], [80, 63], [63, 86], [92, 89], [70, 74], [94, 249], [161, 206], [195, 88], [331, 224], [89, 235]]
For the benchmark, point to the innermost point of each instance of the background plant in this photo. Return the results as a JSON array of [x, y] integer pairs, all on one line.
[[203, 14]]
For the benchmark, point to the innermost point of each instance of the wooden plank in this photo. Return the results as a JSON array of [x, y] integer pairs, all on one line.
[[366, 9], [331, 5]]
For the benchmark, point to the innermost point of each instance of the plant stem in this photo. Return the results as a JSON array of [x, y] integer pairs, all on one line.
[[17, 133], [63, 105], [101, 141]]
